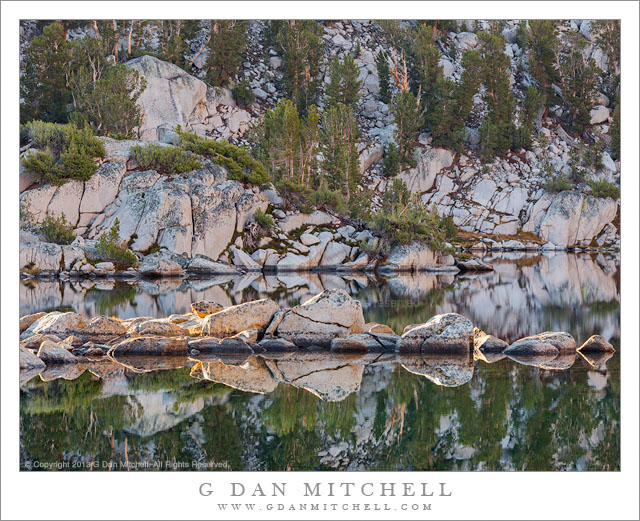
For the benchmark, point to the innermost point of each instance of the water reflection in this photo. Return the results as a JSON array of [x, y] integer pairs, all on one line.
[[321, 411], [524, 295]]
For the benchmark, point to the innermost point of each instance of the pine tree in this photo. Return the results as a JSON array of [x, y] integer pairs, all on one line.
[[300, 42], [408, 117], [340, 155], [226, 47], [578, 78], [344, 85], [614, 132], [533, 102], [496, 133], [45, 81], [543, 44], [453, 103], [384, 77], [426, 59]]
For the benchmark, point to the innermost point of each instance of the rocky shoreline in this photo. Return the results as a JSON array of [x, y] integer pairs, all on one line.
[[329, 322]]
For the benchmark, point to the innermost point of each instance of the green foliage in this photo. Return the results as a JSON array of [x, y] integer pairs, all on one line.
[[426, 59], [404, 219], [300, 43], [226, 47], [263, 219], [69, 152], [408, 116], [496, 132], [604, 189], [340, 164], [240, 165], [578, 77], [344, 85], [543, 44], [57, 230], [242, 93], [453, 103], [288, 143], [111, 248], [384, 76], [43, 85], [614, 132], [107, 103], [533, 102], [357, 50], [391, 161], [164, 159], [558, 183]]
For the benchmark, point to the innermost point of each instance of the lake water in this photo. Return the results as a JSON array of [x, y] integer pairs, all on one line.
[[313, 410]]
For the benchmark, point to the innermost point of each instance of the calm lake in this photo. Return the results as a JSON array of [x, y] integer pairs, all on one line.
[[313, 410]]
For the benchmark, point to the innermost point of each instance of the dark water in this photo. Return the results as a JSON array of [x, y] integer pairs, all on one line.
[[317, 411]]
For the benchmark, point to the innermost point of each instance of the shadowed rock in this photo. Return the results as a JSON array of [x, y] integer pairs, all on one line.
[[33, 342], [52, 353], [596, 359], [217, 345], [150, 345], [30, 361], [596, 344], [542, 344]]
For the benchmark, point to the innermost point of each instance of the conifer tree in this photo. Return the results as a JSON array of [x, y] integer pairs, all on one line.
[[531, 105], [426, 59], [45, 81], [300, 43], [226, 47], [578, 78], [496, 133], [384, 77], [344, 85], [543, 44], [408, 117], [614, 132], [340, 155]]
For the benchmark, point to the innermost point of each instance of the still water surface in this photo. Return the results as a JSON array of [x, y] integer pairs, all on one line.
[[319, 411]]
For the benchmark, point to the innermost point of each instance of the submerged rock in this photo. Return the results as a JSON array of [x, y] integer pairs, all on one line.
[[596, 344], [331, 314], [231, 321], [447, 332]]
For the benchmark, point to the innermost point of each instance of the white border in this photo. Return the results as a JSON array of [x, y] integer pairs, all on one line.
[[476, 495]]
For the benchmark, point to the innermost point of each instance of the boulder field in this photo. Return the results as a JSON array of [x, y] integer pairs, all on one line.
[[331, 321]]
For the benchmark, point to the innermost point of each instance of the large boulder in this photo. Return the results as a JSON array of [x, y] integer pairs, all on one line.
[[596, 344], [317, 218], [561, 221], [103, 329], [421, 178], [27, 320], [150, 345], [442, 333], [416, 257], [56, 323], [160, 264], [30, 361], [56, 353], [43, 257], [171, 95], [542, 344], [331, 314], [232, 320]]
